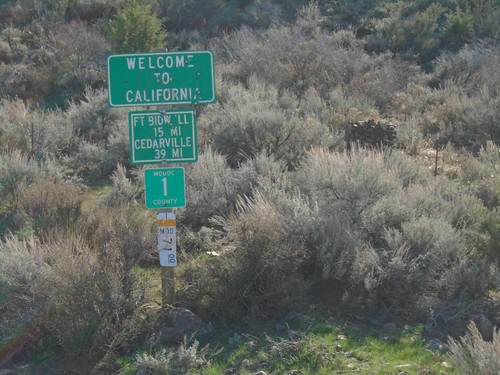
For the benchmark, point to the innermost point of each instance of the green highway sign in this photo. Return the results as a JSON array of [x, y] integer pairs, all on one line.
[[163, 136], [144, 79], [165, 187]]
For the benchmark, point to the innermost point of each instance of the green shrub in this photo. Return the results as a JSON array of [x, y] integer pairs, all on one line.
[[297, 57], [458, 29], [41, 134], [136, 28], [486, 237], [50, 204], [258, 274], [210, 189], [426, 261], [102, 138], [471, 69], [446, 200], [12, 50], [383, 230], [425, 247], [346, 108], [262, 171], [157, 363], [480, 174], [208, 19], [124, 189], [69, 290], [124, 227], [346, 13], [314, 106], [386, 77], [62, 63], [410, 138], [346, 186], [13, 13], [462, 120], [413, 102], [485, 13], [16, 172], [92, 10], [372, 223], [185, 359], [117, 149], [87, 162], [5, 52], [343, 189], [260, 120], [68, 295], [269, 258], [79, 61], [91, 118], [388, 212], [412, 31]]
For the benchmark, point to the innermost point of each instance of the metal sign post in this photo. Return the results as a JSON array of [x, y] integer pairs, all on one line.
[[163, 136]]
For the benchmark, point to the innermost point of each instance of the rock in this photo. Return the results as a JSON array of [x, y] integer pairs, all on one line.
[[235, 340], [280, 327], [181, 322], [369, 134], [19, 370], [389, 327], [446, 364], [376, 322], [436, 345], [485, 327], [371, 305], [206, 329]]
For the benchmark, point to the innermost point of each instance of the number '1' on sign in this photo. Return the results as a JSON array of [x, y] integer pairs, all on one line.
[[165, 189]]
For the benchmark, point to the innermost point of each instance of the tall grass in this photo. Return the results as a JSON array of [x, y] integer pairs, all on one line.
[[473, 355], [74, 290]]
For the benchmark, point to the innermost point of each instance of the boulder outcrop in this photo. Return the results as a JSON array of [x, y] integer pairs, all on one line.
[[371, 133]]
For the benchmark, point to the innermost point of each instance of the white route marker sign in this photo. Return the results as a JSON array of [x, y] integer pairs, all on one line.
[[167, 239]]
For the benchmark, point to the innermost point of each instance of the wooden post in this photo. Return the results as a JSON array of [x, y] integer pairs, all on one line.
[[167, 277], [436, 144], [167, 273], [167, 286]]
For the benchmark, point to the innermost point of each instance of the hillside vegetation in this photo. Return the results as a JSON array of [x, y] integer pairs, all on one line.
[[281, 223]]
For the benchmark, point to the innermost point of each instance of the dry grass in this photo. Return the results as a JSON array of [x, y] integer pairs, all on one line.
[[474, 355]]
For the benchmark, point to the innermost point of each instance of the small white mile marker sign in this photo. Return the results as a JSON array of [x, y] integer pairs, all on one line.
[[167, 239]]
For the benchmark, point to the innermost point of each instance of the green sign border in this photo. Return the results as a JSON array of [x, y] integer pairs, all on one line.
[[153, 186], [149, 159], [194, 82]]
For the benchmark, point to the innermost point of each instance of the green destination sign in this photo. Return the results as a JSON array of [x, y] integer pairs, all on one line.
[[164, 187], [143, 79], [163, 136]]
